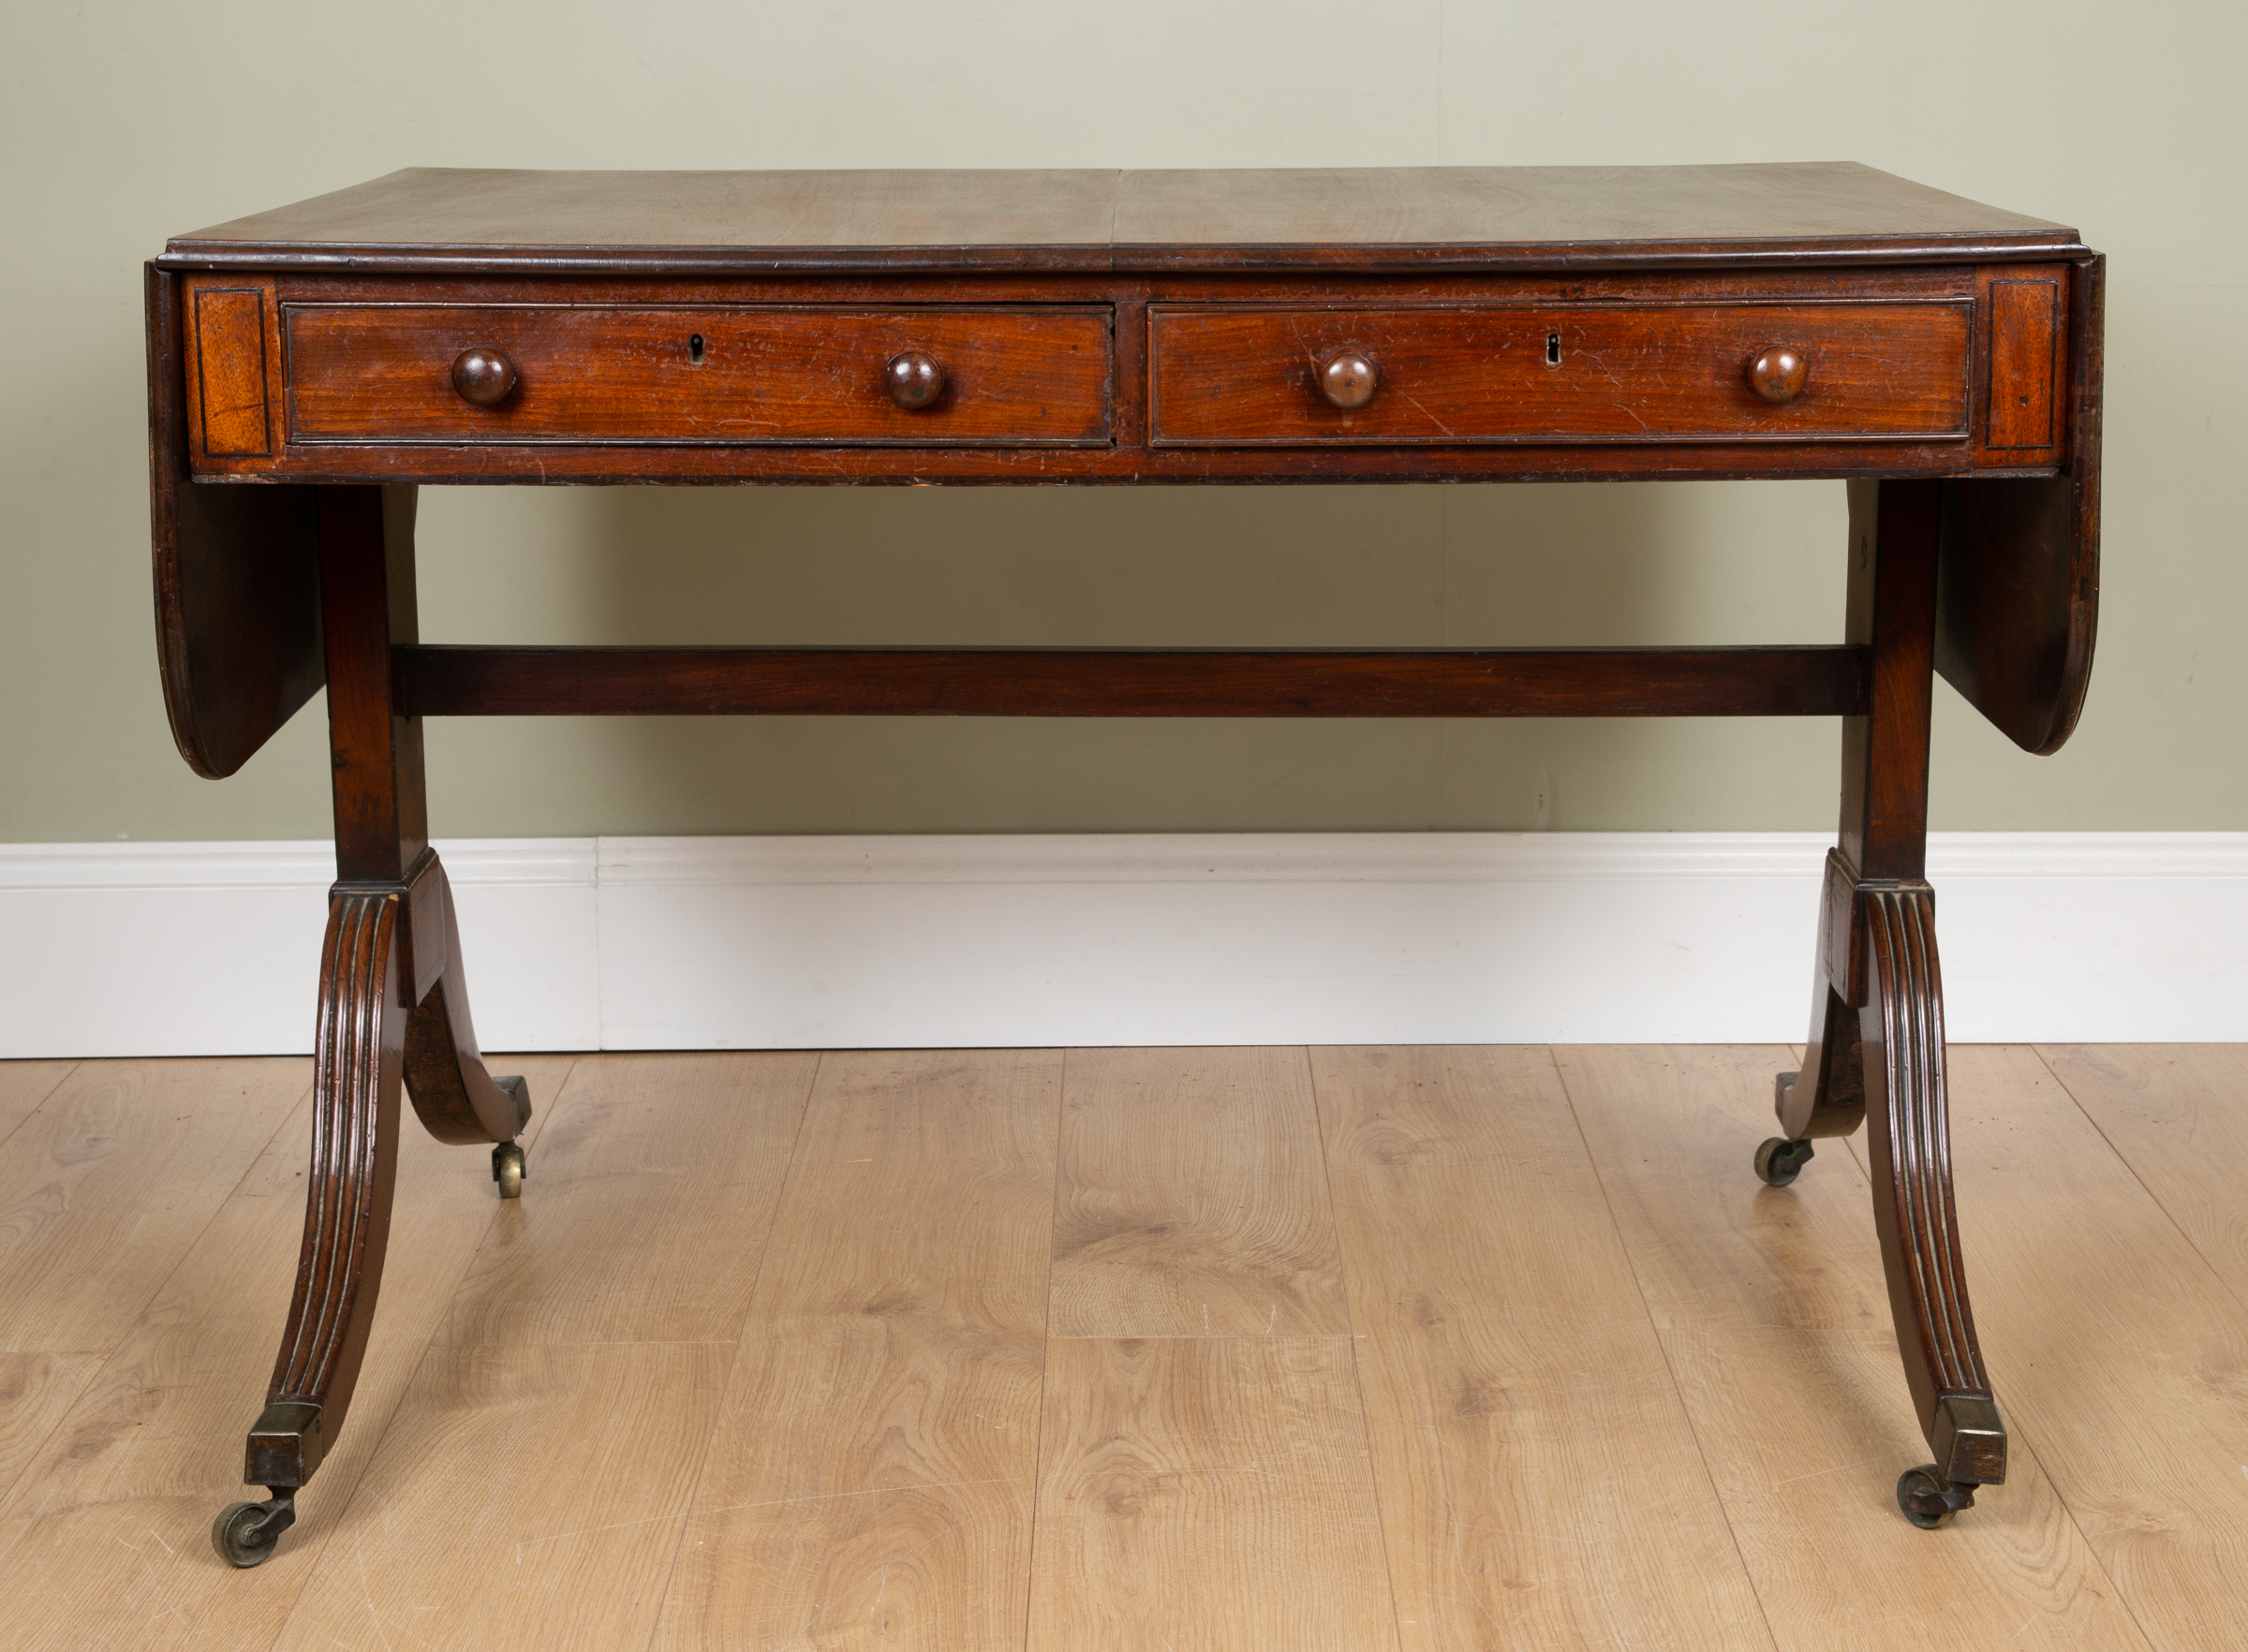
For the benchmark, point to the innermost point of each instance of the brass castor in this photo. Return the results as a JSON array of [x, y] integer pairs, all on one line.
[[507, 1170], [244, 1534], [1779, 1161], [1930, 1500]]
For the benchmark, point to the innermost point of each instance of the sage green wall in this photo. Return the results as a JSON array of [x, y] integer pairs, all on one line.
[[124, 123]]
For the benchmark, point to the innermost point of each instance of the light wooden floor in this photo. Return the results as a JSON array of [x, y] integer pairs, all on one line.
[[1166, 1349]]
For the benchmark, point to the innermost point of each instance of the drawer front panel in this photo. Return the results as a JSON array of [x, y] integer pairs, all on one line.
[[1247, 374], [724, 375]]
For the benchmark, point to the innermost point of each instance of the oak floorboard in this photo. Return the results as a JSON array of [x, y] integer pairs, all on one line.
[[2115, 1349], [1206, 1495], [1540, 1486], [106, 1537], [1194, 1198], [655, 1183], [36, 1390], [870, 1480], [23, 1084], [1772, 1309], [526, 1495], [109, 1180], [2174, 1112]]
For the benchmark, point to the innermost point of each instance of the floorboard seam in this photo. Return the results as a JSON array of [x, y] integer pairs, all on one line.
[[764, 1253], [382, 1430], [1342, 1263], [1678, 1393]]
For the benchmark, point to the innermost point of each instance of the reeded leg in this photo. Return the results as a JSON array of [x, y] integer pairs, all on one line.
[[393, 1008], [1875, 1049], [357, 1065], [1901, 1030]]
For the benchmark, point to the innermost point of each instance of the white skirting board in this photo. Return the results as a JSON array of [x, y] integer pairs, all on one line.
[[840, 942]]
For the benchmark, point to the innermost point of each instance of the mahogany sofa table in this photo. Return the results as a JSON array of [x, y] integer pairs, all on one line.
[[308, 366]]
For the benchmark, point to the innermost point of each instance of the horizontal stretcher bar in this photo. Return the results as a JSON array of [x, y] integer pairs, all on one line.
[[454, 680]]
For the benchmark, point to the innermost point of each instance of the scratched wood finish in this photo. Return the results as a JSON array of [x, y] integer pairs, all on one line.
[[1207, 1494], [1771, 1308], [106, 1186], [1506, 1355], [2122, 1355], [113, 1513], [871, 1476], [1192, 1198], [1560, 372], [725, 375], [447, 219], [650, 1158]]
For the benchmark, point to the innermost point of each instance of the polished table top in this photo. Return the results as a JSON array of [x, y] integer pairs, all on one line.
[[1452, 217]]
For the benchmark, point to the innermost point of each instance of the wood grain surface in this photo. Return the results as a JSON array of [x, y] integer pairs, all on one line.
[[901, 1305], [763, 374], [2119, 1353], [1572, 1314], [1774, 1321], [448, 218], [23, 1084], [514, 1487], [645, 1159], [113, 1513], [1192, 1198], [1245, 373], [110, 1181], [2173, 1112], [1526, 1437], [1204, 1494]]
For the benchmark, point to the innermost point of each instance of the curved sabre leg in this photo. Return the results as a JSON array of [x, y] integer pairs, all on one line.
[[357, 1063], [456, 1099], [1901, 1032]]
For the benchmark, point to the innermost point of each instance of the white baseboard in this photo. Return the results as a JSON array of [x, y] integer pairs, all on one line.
[[841, 942]]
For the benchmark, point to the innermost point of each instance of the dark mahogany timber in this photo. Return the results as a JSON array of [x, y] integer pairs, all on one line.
[[1875, 1048], [357, 1068], [1779, 373], [1638, 374], [914, 378], [310, 367], [445, 221], [465, 681], [237, 583], [2019, 580], [483, 377], [1348, 380]]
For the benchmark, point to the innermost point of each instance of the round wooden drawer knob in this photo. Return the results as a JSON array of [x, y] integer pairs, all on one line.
[[483, 377], [1779, 373], [1347, 379], [913, 378]]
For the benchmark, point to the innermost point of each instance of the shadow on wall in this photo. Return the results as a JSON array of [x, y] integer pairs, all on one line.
[[1308, 566]]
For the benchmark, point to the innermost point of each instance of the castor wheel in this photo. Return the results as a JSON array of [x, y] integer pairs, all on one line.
[[507, 1170], [245, 1533], [1928, 1499], [1779, 1161]]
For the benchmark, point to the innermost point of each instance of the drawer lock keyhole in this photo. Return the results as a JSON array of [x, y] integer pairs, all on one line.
[[694, 349], [1553, 349]]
